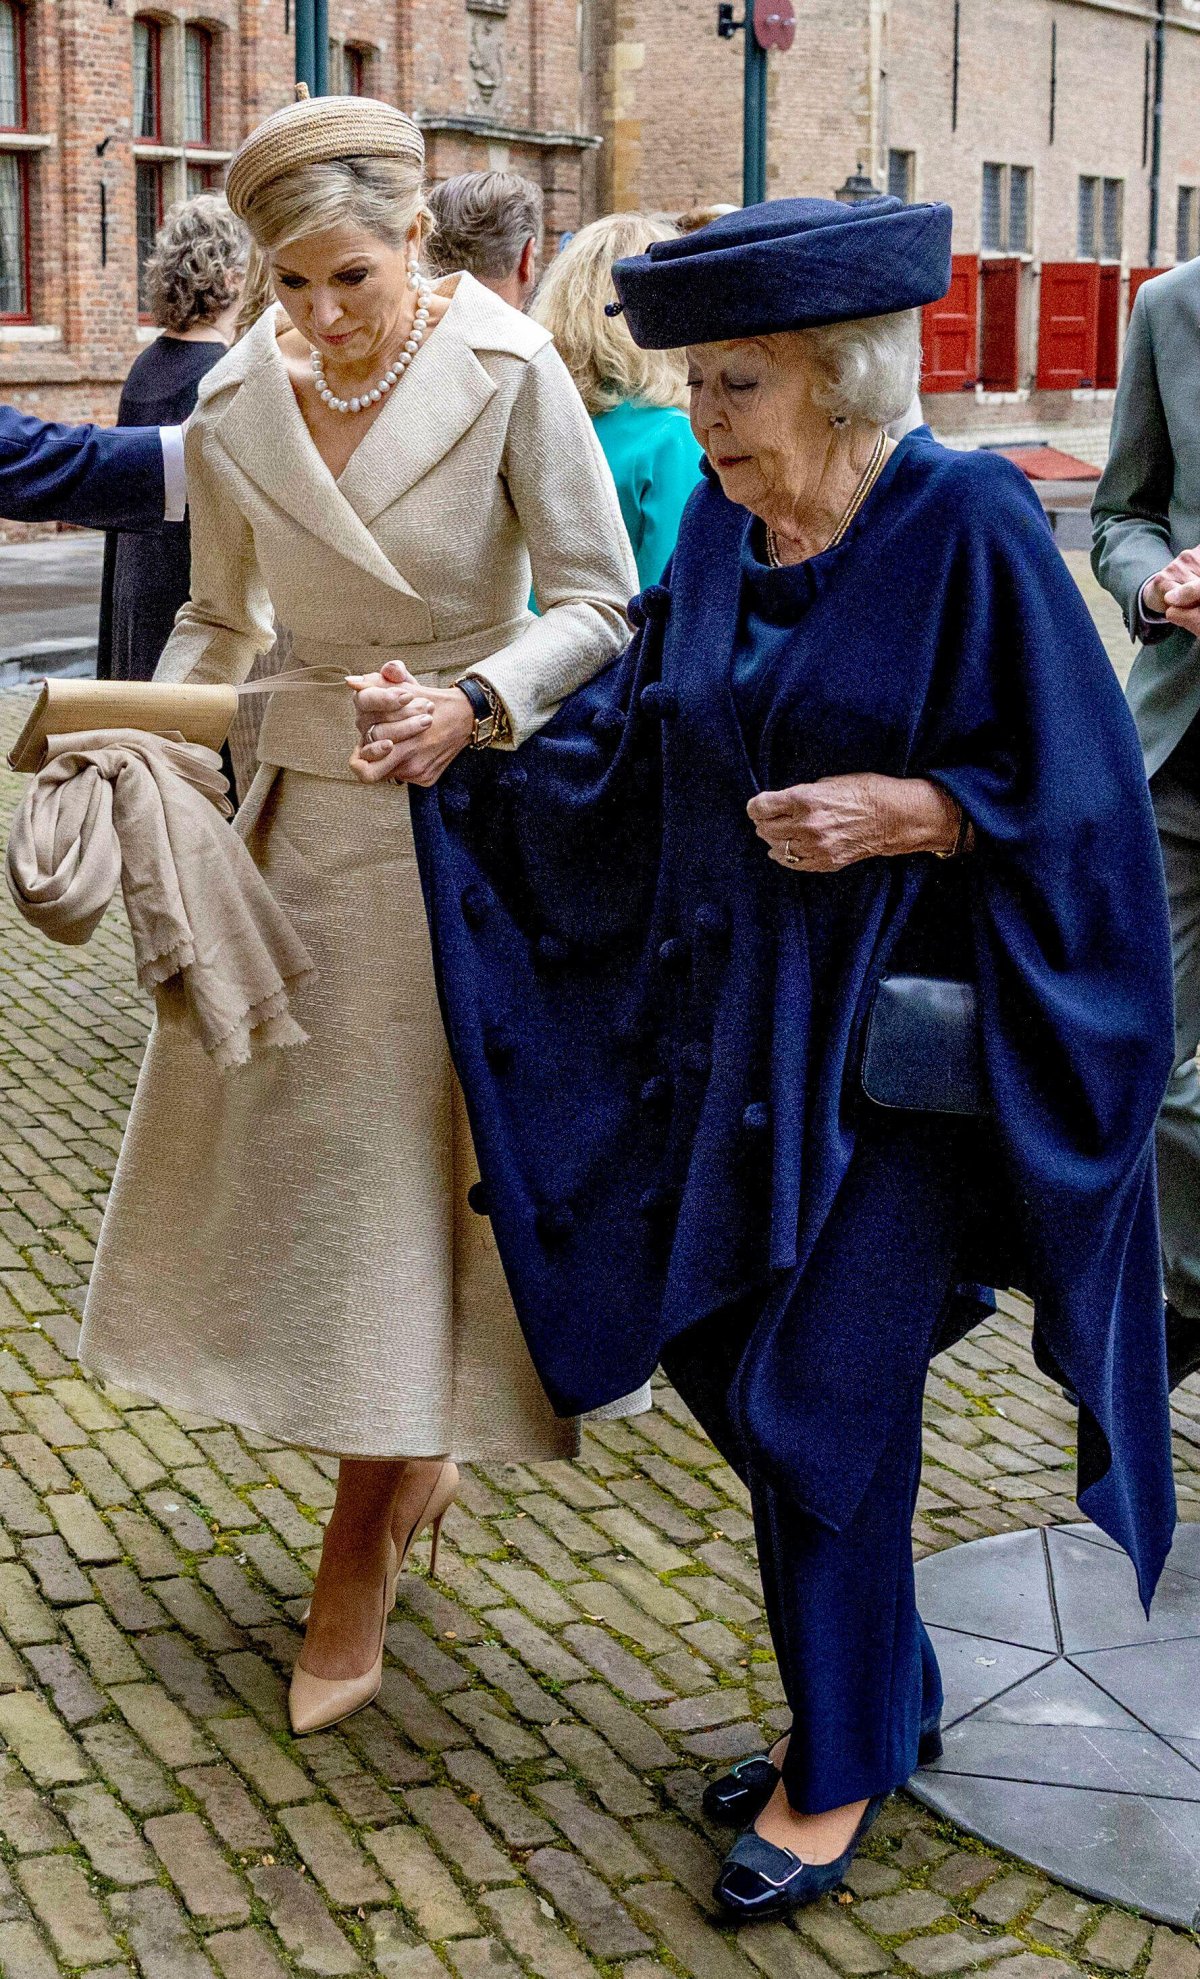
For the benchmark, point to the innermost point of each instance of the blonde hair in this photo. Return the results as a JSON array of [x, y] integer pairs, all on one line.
[[383, 195], [197, 265], [258, 294], [598, 351]]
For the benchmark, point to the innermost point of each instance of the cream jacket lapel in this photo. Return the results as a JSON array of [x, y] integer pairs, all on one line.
[[263, 430]]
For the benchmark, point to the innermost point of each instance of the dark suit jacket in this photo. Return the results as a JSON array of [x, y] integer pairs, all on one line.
[[147, 576], [96, 477]]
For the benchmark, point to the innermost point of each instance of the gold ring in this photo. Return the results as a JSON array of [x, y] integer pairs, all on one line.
[[789, 857], [371, 733]]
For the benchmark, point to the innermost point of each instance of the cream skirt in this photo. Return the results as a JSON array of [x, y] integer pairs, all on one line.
[[289, 1246]]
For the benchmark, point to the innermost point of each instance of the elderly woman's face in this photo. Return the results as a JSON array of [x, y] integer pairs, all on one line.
[[752, 412], [345, 290]]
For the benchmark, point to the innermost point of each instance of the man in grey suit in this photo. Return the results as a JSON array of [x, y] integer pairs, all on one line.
[[1146, 552]]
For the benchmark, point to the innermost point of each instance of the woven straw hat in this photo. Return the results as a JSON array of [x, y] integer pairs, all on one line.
[[314, 132]]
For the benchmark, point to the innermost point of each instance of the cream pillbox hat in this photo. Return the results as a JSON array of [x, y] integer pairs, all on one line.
[[315, 131]]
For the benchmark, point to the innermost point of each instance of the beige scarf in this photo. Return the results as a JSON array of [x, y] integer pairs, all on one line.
[[150, 813]]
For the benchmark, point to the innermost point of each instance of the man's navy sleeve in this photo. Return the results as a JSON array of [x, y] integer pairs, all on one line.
[[96, 477]]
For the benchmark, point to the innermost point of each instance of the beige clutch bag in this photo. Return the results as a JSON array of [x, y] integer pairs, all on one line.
[[198, 713]]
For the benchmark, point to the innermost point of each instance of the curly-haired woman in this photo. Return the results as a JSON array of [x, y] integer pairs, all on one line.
[[193, 284]]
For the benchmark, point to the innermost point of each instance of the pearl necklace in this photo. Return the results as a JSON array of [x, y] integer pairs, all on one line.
[[375, 393]]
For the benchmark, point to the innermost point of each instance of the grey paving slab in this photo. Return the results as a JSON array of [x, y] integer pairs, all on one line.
[[993, 1587], [1087, 1765], [1159, 1683], [1059, 1694], [1117, 1847], [1095, 1592], [1130, 1761], [975, 1668]]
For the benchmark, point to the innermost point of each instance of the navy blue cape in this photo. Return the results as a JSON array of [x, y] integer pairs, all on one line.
[[658, 1030]]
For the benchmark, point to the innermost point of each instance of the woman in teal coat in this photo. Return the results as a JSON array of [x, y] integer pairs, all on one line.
[[637, 398]]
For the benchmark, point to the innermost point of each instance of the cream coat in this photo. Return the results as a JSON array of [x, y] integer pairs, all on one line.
[[289, 1247]]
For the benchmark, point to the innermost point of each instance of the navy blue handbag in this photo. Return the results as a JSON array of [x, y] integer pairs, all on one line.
[[922, 1052]]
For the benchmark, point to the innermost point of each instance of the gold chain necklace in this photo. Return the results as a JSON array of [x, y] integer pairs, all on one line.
[[871, 475]]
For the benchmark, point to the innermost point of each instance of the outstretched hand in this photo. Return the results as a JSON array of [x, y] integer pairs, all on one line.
[[407, 733]]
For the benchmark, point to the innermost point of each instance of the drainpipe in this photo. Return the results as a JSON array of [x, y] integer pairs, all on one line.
[[312, 45], [1160, 42]]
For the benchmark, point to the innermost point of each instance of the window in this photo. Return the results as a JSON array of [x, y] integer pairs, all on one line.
[[12, 67], [901, 174], [991, 232], [197, 86], [1020, 189], [14, 167], [349, 69], [147, 81], [1089, 199], [203, 178], [1101, 210], [149, 203], [1112, 204], [1005, 211], [1186, 215]]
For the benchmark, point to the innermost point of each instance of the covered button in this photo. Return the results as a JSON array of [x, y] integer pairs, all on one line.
[[499, 1045], [550, 951], [477, 1199], [659, 701], [554, 1222], [608, 723], [712, 925], [757, 1117], [475, 902], [674, 955], [696, 1060]]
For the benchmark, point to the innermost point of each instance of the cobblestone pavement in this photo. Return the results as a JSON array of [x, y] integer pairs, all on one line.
[[525, 1796]]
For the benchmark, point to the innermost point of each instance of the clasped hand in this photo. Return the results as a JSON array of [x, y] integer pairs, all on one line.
[[825, 826], [1176, 592], [407, 733]]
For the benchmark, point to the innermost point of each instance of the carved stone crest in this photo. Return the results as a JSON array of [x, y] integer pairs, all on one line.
[[487, 23]]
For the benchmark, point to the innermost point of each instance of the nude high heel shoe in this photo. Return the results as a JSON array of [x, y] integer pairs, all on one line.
[[438, 1503], [315, 1703], [442, 1495]]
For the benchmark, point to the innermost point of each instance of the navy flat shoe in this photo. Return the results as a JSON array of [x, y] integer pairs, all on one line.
[[740, 1795], [758, 1880], [737, 1799]]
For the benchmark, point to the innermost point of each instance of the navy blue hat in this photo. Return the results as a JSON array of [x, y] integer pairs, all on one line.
[[789, 264]]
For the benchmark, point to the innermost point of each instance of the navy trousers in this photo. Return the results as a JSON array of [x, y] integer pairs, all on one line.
[[857, 1665]]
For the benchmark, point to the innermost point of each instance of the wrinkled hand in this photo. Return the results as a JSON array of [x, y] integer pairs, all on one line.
[[823, 827], [415, 732], [1175, 592]]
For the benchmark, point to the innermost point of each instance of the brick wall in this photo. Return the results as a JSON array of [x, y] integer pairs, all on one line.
[[865, 76], [493, 87]]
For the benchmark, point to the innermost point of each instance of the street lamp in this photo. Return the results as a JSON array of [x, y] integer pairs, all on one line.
[[767, 24], [857, 188]]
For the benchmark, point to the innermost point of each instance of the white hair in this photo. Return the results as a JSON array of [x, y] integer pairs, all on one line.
[[868, 369]]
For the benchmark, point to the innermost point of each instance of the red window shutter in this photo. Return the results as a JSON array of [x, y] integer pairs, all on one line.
[[1108, 326], [999, 300], [950, 331], [1139, 275], [1068, 322]]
